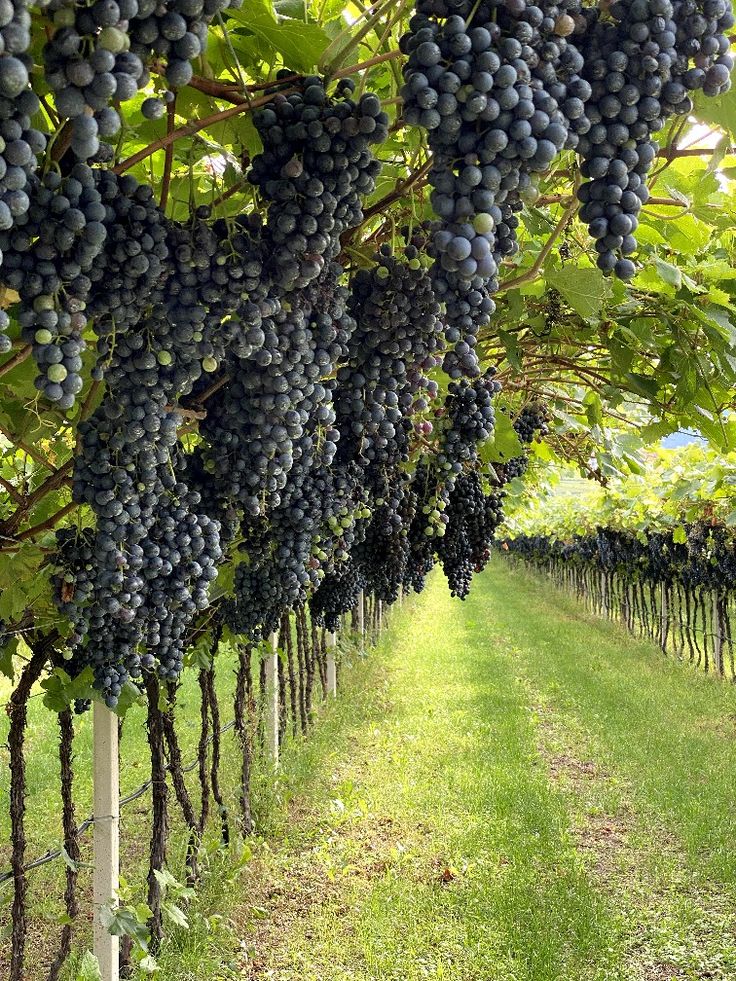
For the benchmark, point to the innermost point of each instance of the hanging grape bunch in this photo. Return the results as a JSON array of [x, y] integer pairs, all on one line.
[[20, 143], [315, 167], [497, 87], [502, 87], [88, 65], [397, 333], [638, 62], [100, 54]]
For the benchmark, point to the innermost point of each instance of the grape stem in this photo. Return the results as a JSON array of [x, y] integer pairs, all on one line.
[[535, 268], [169, 155], [196, 125], [18, 358], [12, 491]]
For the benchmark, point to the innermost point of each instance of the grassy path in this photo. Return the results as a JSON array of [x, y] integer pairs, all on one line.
[[506, 790]]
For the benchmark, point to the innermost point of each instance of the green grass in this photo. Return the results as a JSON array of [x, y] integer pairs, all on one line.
[[506, 790], [451, 770], [668, 730], [439, 778]]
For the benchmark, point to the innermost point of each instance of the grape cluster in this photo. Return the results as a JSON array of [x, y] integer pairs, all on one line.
[[473, 518], [706, 560], [397, 333], [48, 258], [468, 420], [337, 594], [502, 86], [98, 56], [530, 425], [315, 167], [88, 66], [701, 36], [497, 86], [383, 555], [305, 538], [20, 142], [638, 66], [531, 422], [133, 262], [254, 425], [175, 31], [429, 499]]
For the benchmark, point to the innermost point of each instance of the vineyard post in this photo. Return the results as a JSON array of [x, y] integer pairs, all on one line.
[[330, 644], [106, 836], [663, 616], [379, 616], [361, 618], [272, 699], [717, 634]]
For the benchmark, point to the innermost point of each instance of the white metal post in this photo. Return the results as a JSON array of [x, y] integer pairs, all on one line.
[[664, 615], [361, 618], [330, 644], [379, 607], [272, 700], [717, 635], [106, 837]]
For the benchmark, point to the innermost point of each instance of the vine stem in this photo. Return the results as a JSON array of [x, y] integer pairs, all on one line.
[[18, 358], [14, 493], [533, 271], [169, 156], [196, 125], [17, 710]]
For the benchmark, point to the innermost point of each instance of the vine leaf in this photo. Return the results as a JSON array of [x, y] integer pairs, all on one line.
[[301, 45], [720, 110], [669, 273], [88, 968], [6, 660], [585, 290], [503, 444]]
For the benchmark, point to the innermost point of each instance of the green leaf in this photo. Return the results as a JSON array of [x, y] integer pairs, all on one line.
[[176, 915], [300, 45], [60, 690], [6, 661], [719, 153], [13, 601], [669, 273], [654, 431], [679, 535], [129, 695], [503, 444], [88, 968], [720, 110], [291, 8], [642, 385], [593, 408], [585, 290], [124, 922]]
